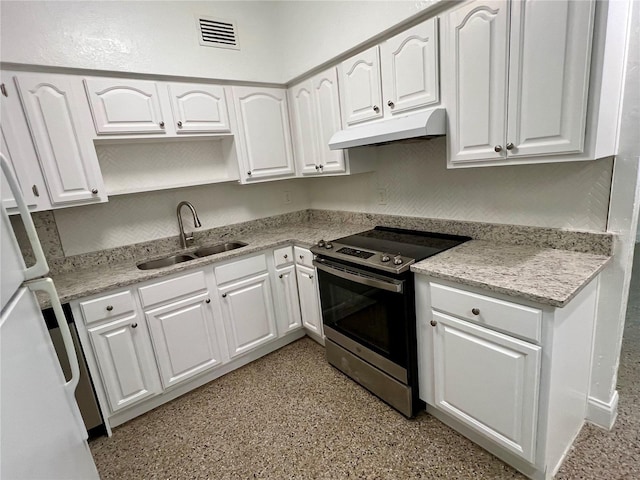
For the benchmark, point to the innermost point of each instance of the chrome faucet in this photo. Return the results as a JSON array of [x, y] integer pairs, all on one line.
[[185, 239]]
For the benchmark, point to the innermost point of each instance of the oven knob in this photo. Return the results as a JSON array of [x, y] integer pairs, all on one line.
[[328, 245], [385, 257], [397, 260], [321, 243]]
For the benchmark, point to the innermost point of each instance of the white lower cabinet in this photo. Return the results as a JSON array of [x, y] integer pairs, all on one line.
[[511, 376], [125, 359], [286, 292], [248, 314], [184, 338], [309, 299], [488, 381]]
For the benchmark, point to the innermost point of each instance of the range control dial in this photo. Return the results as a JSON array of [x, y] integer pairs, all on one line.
[[321, 243], [397, 260], [385, 258], [328, 245]]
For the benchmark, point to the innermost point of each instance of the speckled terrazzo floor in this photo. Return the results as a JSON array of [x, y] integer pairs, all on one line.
[[291, 415]]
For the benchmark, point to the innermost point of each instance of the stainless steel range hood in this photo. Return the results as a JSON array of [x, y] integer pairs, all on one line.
[[429, 123]]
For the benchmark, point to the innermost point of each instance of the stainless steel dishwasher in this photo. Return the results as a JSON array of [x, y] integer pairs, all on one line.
[[85, 394]]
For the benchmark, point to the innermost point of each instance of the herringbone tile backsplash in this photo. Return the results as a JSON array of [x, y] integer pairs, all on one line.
[[414, 175]]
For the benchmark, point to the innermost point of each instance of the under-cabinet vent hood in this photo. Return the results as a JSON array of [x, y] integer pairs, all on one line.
[[430, 123]]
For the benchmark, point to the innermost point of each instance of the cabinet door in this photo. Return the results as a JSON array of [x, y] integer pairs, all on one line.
[[304, 127], [475, 38], [248, 315], [309, 299], [124, 357], [410, 68], [121, 106], [199, 108], [264, 140], [328, 120], [63, 143], [184, 339], [22, 174], [287, 294], [488, 381], [550, 56], [360, 88]]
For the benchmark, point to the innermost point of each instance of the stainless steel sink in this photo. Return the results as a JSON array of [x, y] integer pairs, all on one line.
[[219, 248], [165, 262]]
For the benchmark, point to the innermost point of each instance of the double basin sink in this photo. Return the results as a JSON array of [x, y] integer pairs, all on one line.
[[187, 257]]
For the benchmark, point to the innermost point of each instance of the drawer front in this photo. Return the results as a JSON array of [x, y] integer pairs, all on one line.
[[303, 256], [510, 317], [173, 288], [107, 307], [283, 256], [240, 269]]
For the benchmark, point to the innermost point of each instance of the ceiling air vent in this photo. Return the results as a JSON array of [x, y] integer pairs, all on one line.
[[215, 32]]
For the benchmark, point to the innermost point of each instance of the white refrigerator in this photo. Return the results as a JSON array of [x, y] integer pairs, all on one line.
[[42, 435]]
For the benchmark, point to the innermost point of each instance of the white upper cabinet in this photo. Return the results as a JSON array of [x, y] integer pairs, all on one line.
[[549, 62], [315, 117], [361, 95], [410, 69], [534, 53], [23, 175], [122, 106], [53, 105], [199, 108], [264, 141], [476, 53]]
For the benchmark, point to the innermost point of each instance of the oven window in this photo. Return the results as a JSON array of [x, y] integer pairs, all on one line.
[[371, 316]]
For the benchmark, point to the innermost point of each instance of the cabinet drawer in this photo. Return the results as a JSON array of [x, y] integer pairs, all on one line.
[[240, 269], [283, 256], [107, 307], [173, 288], [303, 256], [510, 317]]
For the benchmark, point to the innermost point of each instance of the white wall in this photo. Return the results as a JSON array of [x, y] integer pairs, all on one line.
[[562, 195], [279, 40], [158, 37], [129, 219], [314, 32]]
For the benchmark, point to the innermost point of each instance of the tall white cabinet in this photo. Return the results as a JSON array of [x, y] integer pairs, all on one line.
[[516, 78]]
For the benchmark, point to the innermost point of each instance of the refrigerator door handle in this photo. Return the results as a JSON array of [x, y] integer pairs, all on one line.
[[46, 285], [41, 266]]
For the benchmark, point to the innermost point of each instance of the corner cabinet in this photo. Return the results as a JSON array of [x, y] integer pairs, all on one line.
[[315, 117], [511, 375], [309, 293], [516, 78], [264, 139], [57, 117]]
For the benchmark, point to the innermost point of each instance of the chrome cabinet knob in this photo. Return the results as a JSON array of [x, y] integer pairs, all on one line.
[[161, 124], [134, 325], [391, 104], [109, 308], [286, 256], [179, 124], [317, 167], [301, 257], [310, 277], [94, 191], [475, 311], [280, 276], [376, 108], [510, 146], [224, 295], [497, 148], [208, 300], [433, 323], [249, 173]]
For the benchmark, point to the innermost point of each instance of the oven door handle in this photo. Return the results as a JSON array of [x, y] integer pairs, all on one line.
[[356, 276]]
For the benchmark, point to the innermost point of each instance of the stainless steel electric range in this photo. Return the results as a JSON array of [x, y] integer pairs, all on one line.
[[368, 308]]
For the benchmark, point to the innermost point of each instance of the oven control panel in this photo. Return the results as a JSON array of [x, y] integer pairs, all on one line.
[[355, 253]]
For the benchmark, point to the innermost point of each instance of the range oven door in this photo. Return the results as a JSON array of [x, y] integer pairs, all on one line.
[[367, 314]]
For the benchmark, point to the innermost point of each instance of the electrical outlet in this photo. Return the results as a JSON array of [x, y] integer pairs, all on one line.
[[383, 196], [286, 197]]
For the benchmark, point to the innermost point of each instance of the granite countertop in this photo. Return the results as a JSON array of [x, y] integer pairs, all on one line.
[[544, 275], [97, 279]]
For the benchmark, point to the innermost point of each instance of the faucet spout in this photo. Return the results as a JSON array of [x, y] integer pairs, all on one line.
[[185, 239]]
